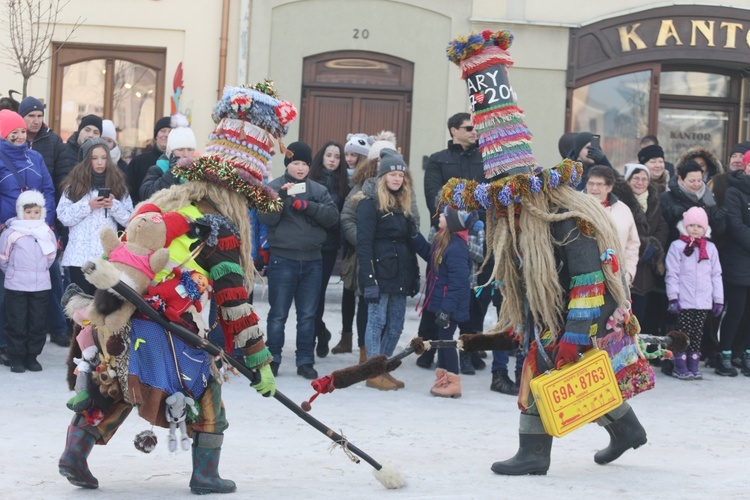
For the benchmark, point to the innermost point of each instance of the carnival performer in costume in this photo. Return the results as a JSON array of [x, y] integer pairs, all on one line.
[[556, 252], [151, 364]]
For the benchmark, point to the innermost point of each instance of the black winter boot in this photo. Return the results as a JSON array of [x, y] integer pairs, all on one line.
[[206, 454], [467, 367], [502, 383], [746, 364], [73, 463], [534, 447], [324, 336], [724, 365], [625, 432], [477, 361]]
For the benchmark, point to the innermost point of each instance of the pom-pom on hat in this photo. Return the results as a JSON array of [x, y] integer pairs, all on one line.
[[649, 153], [181, 135], [249, 121], [93, 120], [631, 168], [9, 121], [391, 161], [383, 140], [30, 197], [30, 104], [358, 143], [695, 215], [504, 139], [300, 152]]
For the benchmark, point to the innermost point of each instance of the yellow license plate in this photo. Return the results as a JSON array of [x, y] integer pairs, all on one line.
[[577, 394]]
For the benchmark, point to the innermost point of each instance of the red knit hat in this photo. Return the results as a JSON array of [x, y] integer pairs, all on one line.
[[746, 159], [175, 223], [9, 121]]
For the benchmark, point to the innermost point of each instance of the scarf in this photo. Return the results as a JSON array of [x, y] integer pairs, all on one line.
[[692, 243], [97, 180], [661, 183], [642, 200], [695, 197], [39, 230]]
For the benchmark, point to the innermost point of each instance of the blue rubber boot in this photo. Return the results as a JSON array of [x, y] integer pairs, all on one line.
[[73, 463], [206, 453]]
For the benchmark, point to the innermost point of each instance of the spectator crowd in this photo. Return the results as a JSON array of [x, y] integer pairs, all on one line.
[[684, 231]]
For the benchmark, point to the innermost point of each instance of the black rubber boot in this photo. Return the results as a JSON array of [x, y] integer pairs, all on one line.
[[746, 364], [206, 454], [534, 447], [73, 464], [625, 432]]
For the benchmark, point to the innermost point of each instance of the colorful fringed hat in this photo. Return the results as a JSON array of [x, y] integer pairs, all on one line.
[[248, 122], [503, 136], [504, 139]]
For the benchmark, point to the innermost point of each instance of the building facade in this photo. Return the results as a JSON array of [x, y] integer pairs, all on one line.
[[622, 69]]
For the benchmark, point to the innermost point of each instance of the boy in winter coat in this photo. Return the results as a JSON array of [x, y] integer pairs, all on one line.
[[694, 286], [296, 235], [448, 290], [27, 250]]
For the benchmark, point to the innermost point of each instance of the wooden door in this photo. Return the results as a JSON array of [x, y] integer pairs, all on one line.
[[355, 92], [332, 114]]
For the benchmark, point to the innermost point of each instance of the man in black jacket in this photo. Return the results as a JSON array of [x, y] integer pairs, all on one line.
[[139, 166], [460, 159], [47, 143]]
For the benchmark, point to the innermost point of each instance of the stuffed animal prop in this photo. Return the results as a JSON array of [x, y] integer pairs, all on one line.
[[176, 412], [134, 261]]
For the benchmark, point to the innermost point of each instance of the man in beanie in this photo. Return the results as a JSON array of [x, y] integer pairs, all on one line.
[[138, 167], [47, 143], [588, 155], [295, 238], [181, 146], [39, 136], [90, 126]]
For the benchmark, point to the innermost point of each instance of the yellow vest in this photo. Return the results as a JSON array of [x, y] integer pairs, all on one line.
[[179, 249]]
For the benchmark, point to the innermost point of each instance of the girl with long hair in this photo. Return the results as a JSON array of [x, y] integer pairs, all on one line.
[[448, 290], [326, 169], [94, 196], [388, 271]]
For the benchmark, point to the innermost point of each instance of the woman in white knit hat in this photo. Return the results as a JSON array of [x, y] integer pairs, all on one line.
[[181, 146]]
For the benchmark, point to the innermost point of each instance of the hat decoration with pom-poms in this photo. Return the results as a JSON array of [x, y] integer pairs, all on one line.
[[504, 139], [249, 121], [145, 441]]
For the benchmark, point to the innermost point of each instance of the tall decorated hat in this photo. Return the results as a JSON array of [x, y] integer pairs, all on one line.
[[504, 138], [249, 121]]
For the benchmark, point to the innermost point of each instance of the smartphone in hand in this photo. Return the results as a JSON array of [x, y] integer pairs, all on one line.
[[104, 192], [299, 188], [595, 142]]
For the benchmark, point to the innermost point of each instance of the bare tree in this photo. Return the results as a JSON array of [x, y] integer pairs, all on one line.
[[31, 26]]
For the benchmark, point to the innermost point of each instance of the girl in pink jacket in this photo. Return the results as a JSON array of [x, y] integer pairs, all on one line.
[[694, 286]]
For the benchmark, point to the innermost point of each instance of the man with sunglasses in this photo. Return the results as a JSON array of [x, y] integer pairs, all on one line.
[[460, 159]]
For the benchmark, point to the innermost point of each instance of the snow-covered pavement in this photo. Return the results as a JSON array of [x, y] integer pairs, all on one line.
[[699, 445]]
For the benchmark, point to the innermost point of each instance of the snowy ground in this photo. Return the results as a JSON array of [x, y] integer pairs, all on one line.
[[698, 441]]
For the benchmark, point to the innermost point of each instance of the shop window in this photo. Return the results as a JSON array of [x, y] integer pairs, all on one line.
[[123, 84], [681, 129], [693, 83], [618, 109]]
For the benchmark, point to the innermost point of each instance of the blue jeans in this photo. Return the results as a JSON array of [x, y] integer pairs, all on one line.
[[299, 281], [385, 322], [56, 324]]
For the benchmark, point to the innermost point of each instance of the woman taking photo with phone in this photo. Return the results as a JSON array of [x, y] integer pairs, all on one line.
[[94, 196]]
